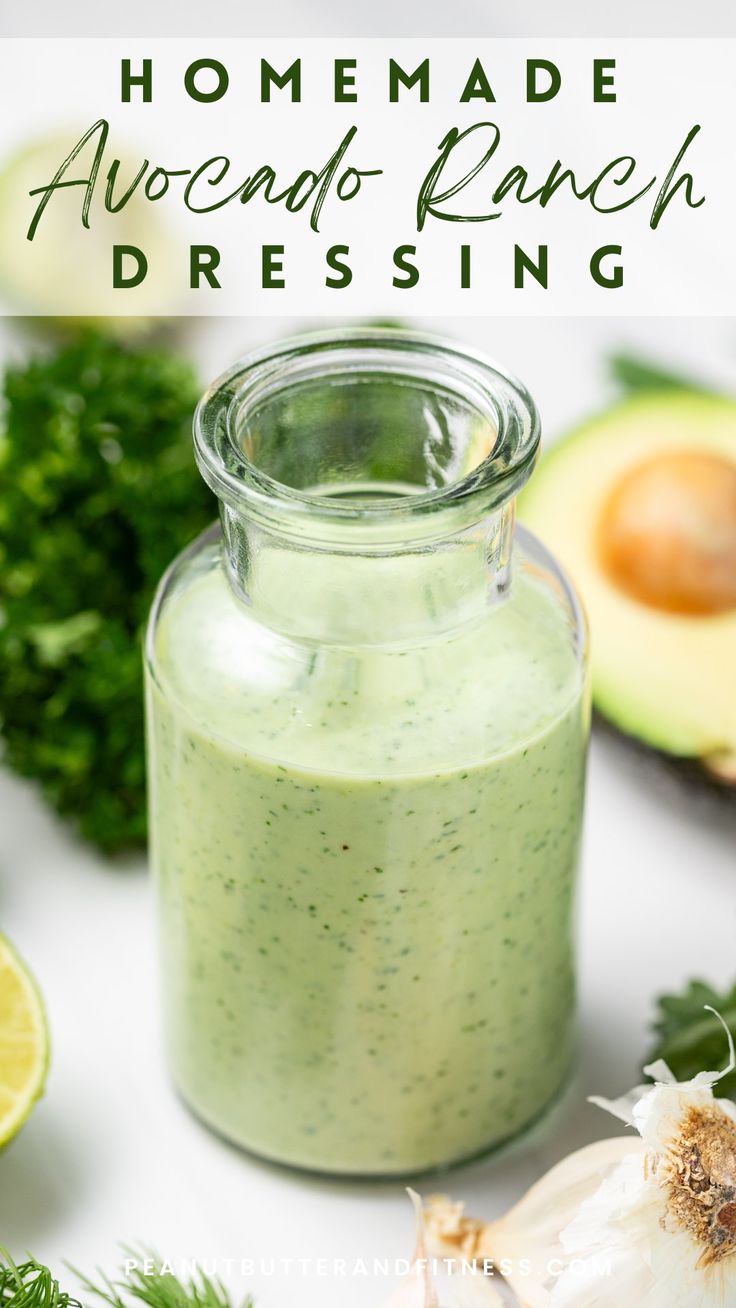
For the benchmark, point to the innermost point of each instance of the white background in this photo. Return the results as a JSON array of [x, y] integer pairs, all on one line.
[[111, 1155], [379, 18]]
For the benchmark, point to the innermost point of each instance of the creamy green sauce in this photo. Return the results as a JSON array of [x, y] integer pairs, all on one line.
[[365, 864]]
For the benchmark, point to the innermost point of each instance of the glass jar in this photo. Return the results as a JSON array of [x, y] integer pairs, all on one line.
[[367, 718]]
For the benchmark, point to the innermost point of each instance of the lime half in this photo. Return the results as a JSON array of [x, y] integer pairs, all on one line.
[[24, 1042]]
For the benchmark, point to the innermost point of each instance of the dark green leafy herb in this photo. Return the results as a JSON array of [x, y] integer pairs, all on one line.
[[691, 1040], [98, 492]]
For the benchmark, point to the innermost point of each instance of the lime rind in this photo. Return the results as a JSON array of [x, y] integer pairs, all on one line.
[[24, 1024]]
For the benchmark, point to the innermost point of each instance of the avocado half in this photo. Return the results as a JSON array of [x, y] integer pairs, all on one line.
[[50, 276], [639, 505]]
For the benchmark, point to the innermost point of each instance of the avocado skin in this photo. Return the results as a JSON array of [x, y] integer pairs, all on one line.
[[682, 778]]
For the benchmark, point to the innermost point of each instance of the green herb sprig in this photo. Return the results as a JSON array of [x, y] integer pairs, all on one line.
[[159, 1288], [636, 373], [690, 1039], [98, 492], [32, 1285]]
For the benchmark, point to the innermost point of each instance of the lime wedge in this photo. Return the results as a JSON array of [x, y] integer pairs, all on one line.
[[24, 1042]]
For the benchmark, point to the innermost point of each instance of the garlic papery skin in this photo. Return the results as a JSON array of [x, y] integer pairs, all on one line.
[[660, 1230], [669, 1231], [524, 1246], [433, 1282], [648, 1221]]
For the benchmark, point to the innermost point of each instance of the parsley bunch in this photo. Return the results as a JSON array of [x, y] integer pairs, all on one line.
[[98, 492]]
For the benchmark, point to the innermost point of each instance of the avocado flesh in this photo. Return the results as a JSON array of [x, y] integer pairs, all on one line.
[[668, 679]]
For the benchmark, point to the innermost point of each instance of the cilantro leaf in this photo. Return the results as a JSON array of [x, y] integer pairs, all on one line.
[[691, 1040]]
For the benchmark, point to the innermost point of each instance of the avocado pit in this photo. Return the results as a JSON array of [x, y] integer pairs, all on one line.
[[667, 533]]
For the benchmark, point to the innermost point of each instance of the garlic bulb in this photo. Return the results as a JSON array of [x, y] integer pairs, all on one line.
[[524, 1246], [649, 1222], [434, 1284]]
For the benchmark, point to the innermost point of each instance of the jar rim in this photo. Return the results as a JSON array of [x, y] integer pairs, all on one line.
[[341, 352]]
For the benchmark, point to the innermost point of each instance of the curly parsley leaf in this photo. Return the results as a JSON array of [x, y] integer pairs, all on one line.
[[99, 492]]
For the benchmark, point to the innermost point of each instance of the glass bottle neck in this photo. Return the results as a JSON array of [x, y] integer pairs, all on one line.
[[367, 481], [371, 594]]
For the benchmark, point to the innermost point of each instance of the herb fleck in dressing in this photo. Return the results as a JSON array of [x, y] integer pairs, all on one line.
[[365, 863]]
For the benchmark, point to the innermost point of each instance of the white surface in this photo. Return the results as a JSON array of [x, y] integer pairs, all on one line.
[[382, 17], [110, 1155]]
